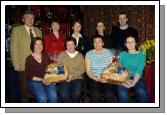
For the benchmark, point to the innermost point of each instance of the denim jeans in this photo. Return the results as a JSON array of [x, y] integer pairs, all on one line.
[[101, 92], [140, 93], [43, 93], [71, 92]]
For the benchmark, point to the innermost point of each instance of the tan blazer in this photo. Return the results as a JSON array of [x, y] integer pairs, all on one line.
[[20, 45]]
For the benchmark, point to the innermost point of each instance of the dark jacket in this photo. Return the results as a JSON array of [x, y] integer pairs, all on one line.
[[118, 37], [83, 45]]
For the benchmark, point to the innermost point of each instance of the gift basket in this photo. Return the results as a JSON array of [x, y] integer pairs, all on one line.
[[115, 73], [55, 73]]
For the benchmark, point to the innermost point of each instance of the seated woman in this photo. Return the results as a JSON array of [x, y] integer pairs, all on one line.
[[135, 62], [96, 60], [35, 66], [71, 90]]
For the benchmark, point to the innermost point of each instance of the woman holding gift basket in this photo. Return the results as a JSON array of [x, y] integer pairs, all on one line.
[[96, 61], [71, 90], [134, 61], [35, 67]]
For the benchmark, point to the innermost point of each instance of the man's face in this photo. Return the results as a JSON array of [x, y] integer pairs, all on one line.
[[122, 19], [28, 20]]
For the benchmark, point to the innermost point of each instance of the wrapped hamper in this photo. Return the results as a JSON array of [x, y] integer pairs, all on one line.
[[115, 73], [55, 73]]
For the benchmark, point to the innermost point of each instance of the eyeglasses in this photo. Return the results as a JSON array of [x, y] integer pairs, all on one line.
[[130, 42]]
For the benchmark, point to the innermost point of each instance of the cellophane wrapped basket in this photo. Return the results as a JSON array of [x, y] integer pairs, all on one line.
[[115, 73], [55, 73]]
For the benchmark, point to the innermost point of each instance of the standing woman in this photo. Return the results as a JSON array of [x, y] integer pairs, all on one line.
[[81, 41], [35, 67], [96, 61], [135, 62], [71, 90], [100, 30], [55, 41]]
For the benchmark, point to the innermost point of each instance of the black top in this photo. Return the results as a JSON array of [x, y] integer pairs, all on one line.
[[107, 41], [118, 37], [83, 45]]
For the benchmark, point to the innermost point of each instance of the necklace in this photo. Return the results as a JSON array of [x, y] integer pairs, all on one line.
[[37, 58]]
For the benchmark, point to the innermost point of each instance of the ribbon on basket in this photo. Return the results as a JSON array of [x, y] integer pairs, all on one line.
[[115, 73]]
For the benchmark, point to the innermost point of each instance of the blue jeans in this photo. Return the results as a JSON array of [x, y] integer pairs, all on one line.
[[140, 92], [43, 93], [71, 92]]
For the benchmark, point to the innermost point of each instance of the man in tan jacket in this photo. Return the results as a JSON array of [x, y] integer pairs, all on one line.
[[20, 48]]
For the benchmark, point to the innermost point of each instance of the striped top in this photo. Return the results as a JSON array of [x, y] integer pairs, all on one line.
[[99, 62]]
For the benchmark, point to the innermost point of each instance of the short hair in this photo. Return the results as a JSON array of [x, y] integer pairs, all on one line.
[[55, 20], [71, 39], [33, 41], [28, 12], [76, 21], [137, 44], [98, 36], [102, 21], [123, 13]]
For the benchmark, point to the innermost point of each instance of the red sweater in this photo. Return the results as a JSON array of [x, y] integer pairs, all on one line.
[[53, 44]]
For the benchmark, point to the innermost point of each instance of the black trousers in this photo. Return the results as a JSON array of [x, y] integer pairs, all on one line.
[[12, 86], [100, 92]]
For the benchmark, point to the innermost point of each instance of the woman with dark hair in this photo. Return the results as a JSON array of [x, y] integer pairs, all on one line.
[[35, 67], [100, 30], [71, 90], [133, 60], [96, 61], [54, 42]]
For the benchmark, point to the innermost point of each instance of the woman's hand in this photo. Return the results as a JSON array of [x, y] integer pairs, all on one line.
[[98, 79], [128, 84], [40, 79], [16, 67], [70, 77], [43, 80]]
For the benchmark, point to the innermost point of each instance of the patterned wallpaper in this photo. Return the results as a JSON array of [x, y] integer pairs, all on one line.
[[141, 17]]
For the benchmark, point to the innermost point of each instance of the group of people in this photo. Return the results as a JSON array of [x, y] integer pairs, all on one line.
[[85, 58]]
